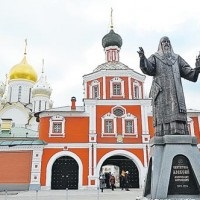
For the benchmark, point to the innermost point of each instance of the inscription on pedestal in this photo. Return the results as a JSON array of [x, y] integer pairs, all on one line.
[[182, 178]]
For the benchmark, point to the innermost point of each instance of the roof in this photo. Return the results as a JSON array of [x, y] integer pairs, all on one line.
[[17, 132], [21, 142], [115, 65], [112, 39], [62, 109]]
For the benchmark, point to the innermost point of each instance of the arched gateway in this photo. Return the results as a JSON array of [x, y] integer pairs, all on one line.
[[127, 161], [123, 163], [64, 170], [65, 173]]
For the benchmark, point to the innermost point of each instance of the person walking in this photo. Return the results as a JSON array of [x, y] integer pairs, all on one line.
[[122, 179], [102, 181], [112, 182], [127, 181]]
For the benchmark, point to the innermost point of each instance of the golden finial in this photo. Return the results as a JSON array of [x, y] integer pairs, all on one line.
[[111, 19], [25, 46]]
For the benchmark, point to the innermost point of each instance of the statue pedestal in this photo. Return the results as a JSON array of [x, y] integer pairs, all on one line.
[[174, 168]]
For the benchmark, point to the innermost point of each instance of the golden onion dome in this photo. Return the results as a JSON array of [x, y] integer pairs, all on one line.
[[23, 71]]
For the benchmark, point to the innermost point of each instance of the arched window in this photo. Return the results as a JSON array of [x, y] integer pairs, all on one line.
[[95, 89], [109, 125], [118, 111], [136, 90], [116, 87], [129, 125]]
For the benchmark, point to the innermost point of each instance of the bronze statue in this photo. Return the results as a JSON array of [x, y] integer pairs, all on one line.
[[167, 68]]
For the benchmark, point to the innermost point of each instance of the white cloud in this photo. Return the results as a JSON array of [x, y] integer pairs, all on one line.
[[68, 33]]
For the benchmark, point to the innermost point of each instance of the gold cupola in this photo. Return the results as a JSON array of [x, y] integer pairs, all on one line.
[[23, 71]]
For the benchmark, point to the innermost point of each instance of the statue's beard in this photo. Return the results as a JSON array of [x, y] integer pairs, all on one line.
[[167, 52]]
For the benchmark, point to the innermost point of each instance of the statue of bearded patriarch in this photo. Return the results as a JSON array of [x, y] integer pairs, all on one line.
[[167, 68]]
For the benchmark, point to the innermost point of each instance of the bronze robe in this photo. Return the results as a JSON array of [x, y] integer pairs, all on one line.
[[169, 109]]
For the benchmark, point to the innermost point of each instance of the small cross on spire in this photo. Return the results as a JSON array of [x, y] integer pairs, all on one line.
[[111, 19], [42, 65], [25, 46]]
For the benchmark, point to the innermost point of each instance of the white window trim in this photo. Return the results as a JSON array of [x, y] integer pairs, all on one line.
[[129, 117], [94, 83], [56, 119], [118, 107], [119, 81], [109, 116], [137, 84]]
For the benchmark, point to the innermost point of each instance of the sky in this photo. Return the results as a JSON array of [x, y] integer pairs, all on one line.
[[67, 34]]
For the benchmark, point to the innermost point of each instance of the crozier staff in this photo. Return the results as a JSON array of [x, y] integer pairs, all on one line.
[[167, 68]]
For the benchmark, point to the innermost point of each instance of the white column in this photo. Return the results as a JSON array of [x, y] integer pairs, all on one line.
[[145, 129], [90, 160], [104, 87], [129, 88], [36, 168], [146, 153]]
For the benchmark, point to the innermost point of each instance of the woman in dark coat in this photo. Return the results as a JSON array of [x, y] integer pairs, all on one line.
[[112, 182], [122, 179], [102, 181]]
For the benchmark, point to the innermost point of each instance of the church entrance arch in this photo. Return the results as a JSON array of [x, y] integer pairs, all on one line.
[[115, 164], [65, 171]]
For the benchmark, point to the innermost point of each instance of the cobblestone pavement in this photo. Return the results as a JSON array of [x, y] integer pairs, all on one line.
[[107, 194]]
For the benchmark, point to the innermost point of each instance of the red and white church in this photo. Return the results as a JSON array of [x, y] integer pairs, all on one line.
[[110, 132]]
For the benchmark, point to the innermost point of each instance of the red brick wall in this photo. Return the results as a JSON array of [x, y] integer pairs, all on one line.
[[15, 167]]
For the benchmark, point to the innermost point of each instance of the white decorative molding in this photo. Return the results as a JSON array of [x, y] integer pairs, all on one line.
[[137, 86], [118, 107], [112, 117], [56, 119], [133, 118], [130, 96], [104, 87], [117, 80], [144, 115], [92, 137], [36, 166], [94, 83], [145, 138], [122, 72]]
